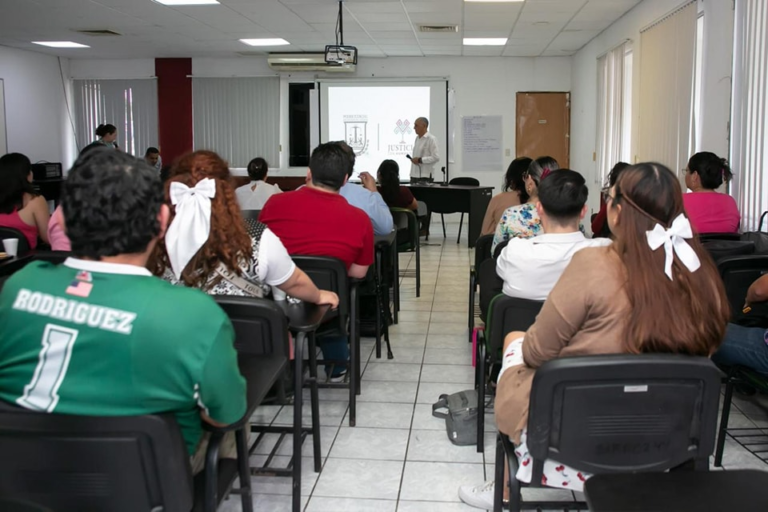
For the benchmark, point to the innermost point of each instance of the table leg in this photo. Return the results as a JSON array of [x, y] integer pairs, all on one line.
[[297, 403]]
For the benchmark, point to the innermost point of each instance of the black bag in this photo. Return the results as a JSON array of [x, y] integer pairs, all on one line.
[[461, 416], [759, 238]]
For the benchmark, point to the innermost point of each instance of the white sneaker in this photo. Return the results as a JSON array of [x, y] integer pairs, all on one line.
[[479, 496]]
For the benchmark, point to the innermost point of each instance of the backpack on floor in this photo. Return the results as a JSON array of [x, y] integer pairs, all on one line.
[[460, 417]]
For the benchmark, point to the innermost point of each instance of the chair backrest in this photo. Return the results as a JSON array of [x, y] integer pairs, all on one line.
[[75, 463], [329, 274], [404, 216], [23, 248], [738, 273], [55, 257], [707, 237], [497, 250], [482, 250], [622, 413], [720, 249], [260, 326], [490, 285], [471, 182], [509, 314], [251, 214]]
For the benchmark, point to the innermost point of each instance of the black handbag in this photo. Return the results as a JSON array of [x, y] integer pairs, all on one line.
[[759, 238]]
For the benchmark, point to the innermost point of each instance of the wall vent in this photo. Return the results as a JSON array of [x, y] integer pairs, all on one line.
[[439, 28], [98, 32]]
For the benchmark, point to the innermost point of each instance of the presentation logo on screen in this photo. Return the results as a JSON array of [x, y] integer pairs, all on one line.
[[402, 127], [356, 133]]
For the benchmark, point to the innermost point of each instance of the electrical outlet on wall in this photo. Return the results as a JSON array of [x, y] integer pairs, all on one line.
[[507, 152]]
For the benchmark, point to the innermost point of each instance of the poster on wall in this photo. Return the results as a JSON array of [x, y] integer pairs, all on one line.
[[481, 143], [3, 137]]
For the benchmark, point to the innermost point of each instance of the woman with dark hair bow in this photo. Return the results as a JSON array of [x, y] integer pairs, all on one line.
[[710, 211]]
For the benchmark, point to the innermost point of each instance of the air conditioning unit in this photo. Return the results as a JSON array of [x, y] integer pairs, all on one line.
[[295, 62]]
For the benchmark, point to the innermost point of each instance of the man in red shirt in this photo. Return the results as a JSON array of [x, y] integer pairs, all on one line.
[[315, 220]]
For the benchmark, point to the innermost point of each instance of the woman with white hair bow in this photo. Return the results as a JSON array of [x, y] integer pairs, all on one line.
[[208, 245], [654, 290]]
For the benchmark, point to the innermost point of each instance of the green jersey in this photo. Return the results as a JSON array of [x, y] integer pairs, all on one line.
[[105, 339]]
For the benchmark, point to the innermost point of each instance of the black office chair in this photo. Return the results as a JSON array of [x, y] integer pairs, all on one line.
[[10, 267], [23, 248], [738, 274], [251, 214], [500, 247], [331, 274], [615, 414], [720, 249], [405, 219], [708, 237], [482, 253], [507, 314], [469, 182]]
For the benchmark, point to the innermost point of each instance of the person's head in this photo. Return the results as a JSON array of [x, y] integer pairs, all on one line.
[[112, 205], [15, 181], [152, 156], [227, 242], [538, 170], [686, 313], [562, 199], [513, 180], [616, 172], [257, 169], [420, 126], [388, 175], [107, 132], [350, 156], [328, 166], [706, 171]]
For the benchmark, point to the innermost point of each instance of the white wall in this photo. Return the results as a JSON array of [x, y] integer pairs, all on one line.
[[37, 123], [718, 37]]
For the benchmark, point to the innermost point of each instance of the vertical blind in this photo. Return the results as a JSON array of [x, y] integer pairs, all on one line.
[[749, 135], [610, 109], [239, 118], [130, 105], [667, 57]]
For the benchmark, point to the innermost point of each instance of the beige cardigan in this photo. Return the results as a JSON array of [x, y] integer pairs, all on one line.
[[499, 203], [584, 314]]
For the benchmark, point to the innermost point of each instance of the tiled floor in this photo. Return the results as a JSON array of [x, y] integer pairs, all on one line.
[[398, 457]]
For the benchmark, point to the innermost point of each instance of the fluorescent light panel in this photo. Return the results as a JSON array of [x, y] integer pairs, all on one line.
[[187, 2], [60, 44], [485, 41], [265, 42]]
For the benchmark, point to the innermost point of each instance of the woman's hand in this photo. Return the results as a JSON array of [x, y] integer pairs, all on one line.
[[327, 297]]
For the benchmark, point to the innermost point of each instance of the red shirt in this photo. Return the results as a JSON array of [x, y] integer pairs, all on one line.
[[404, 198], [712, 212], [317, 223]]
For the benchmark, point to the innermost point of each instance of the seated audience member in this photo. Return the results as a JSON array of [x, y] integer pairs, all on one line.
[[530, 267], [165, 173], [107, 137], [57, 235], [654, 290], [20, 207], [600, 227], [152, 157], [134, 344], [513, 194], [315, 220], [523, 221], [254, 195], [710, 211], [747, 346], [208, 246], [366, 197], [398, 196]]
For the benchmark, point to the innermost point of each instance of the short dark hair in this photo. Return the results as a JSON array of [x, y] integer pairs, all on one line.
[[257, 169], [329, 163], [350, 155], [712, 169], [562, 194], [105, 129], [613, 176], [110, 202], [151, 151], [14, 182], [426, 121]]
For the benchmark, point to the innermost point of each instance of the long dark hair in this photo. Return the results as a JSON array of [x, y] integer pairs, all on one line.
[[513, 180], [14, 181], [687, 314], [712, 169], [389, 179]]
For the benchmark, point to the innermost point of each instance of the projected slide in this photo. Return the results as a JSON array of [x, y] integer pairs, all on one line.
[[377, 122]]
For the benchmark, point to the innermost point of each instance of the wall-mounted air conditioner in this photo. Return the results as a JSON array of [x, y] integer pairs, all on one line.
[[296, 62]]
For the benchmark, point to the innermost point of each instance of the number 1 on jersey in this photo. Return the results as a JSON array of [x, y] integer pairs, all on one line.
[[42, 392]]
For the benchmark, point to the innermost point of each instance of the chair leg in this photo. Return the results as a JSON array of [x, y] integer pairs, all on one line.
[[515, 490], [498, 491], [297, 419], [396, 284], [722, 430], [471, 323], [442, 217], [458, 239], [211, 499], [353, 367], [314, 397], [418, 271], [480, 374], [244, 470], [379, 306]]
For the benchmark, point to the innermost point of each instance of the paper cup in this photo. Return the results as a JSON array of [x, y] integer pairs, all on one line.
[[277, 293], [11, 246]]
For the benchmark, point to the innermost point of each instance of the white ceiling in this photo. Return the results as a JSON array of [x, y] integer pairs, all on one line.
[[379, 28]]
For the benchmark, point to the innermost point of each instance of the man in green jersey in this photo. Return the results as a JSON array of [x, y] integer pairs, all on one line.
[[99, 335]]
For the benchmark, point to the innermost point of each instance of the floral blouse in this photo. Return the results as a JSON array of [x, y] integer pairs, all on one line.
[[521, 221]]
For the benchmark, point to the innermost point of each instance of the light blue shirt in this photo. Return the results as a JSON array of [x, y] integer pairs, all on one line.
[[372, 204]]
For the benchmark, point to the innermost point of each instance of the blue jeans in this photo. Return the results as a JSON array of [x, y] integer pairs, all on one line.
[[334, 348], [744, 346]]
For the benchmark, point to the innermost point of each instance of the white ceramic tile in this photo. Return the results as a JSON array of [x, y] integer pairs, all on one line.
[[347, 478], [458, 341], [399, 372], [461, 356], [320, 504], [448, 373], [331, 413], [438, 481], [387, 391], [382, 415], [433, 506], [370, 443], [434, 446], [423, 419], [429, 392]]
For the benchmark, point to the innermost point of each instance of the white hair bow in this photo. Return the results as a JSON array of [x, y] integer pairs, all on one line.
[[192, 224], [673, 239]]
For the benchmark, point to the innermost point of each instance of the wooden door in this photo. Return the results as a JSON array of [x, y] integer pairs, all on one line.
[[544, 125]]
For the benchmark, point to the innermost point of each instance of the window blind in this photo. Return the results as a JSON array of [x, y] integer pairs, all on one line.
[[611, 104]]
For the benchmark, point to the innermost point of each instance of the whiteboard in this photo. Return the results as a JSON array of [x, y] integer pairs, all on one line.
[[3, 136], [481, 143]]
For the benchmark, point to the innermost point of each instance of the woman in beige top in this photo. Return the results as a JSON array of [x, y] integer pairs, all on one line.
[[655, 290], [513, 193]]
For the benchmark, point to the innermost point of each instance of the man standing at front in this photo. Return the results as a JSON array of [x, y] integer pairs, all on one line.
[[425, 154]]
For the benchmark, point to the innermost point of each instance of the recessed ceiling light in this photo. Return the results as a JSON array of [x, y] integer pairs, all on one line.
[[485, 41], [60, 44], [265, 42], [187, 2]]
